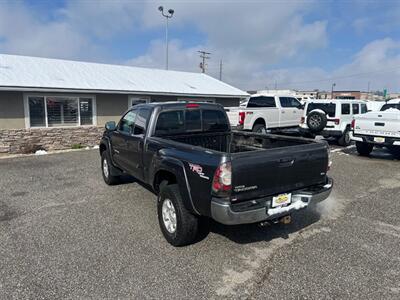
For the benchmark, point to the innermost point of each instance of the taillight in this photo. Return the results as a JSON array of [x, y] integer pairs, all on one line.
[[242, 116], [222, 181], [302, 120], [353, 124], [192, 105], [337, 121]]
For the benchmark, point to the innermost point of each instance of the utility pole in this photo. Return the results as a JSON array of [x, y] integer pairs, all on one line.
[[220, 69], [204, 56]]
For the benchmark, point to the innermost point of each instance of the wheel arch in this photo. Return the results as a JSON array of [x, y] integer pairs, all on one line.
[[173, 171], [259, 120]]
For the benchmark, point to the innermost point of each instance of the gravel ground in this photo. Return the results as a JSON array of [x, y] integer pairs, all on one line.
[[65, 234]]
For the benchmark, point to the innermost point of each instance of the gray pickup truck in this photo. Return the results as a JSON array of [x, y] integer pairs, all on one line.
[[200, 169]]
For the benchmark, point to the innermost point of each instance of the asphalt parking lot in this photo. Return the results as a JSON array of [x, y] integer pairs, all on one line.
[[65, 234]]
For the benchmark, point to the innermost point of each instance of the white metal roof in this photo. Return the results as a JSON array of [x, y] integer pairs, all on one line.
[[44, 74]]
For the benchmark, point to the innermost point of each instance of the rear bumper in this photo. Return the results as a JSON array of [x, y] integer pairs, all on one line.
[[389, 141], [222, 212]]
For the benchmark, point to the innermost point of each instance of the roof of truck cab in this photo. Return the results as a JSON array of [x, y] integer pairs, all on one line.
[[273, 95], [180, 104]]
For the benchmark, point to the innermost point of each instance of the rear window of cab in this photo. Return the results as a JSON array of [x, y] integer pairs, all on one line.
[[191, 120]]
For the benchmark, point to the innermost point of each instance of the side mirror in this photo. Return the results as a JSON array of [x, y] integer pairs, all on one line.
[[111, 126]]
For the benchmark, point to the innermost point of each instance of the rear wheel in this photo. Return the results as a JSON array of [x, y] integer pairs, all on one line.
[[364, 149], [259, 128], [106, 166], [178, 225], [345, 139]]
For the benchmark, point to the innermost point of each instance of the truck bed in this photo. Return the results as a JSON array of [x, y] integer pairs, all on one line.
[[265, 164], [236, 142]]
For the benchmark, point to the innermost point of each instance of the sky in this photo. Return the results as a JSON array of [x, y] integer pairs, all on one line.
[[262, 44]]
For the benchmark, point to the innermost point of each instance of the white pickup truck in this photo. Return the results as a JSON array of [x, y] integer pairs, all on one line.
[[380, 128], [262, 112]]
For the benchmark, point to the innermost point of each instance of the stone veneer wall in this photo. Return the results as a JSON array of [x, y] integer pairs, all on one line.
[[30, 140]]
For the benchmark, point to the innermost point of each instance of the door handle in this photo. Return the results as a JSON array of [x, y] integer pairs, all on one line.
[[286, 162], [283, 112]]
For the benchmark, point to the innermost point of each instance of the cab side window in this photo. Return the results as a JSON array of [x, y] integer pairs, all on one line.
[[289, 102], [364, 108], [261, 101], [127, 122], [356, 109], [345, 109], [141, 121]]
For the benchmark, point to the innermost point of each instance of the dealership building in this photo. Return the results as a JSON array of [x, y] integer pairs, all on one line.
[[56, 104]]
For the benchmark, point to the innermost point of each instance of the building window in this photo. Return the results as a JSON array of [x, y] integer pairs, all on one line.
[[137, 100], [59, 111], [37, 112]]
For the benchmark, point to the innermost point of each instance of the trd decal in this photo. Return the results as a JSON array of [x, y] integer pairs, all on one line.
[[198, 169]]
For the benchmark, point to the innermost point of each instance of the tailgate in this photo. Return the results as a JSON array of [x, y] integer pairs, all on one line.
[[379, 124], [274, 171], [233, 115]]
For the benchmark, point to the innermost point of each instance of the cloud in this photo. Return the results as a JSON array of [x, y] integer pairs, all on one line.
[[248, 36], [181, 58], [24, 32], [378, 63]]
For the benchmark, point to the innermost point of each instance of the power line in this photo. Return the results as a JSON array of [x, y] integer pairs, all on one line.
[[345, 76], [204, 56]]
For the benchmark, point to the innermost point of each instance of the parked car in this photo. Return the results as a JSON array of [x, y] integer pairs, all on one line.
[[262, 112], [380, 129], [200, 169], [331, 118]]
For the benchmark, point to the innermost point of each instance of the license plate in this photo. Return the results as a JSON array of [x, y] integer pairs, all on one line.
[[379, 139], [281, 200]]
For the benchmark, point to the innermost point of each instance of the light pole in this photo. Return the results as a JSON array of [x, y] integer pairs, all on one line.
[[167, 16], [333, 85]]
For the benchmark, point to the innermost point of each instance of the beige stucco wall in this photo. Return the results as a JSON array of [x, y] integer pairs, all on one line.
[[11, 110], [110, 107]]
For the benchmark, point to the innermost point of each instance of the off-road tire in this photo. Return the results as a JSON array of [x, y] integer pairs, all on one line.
[[108, 178], [187, 224], [364, 149], [316, 121]]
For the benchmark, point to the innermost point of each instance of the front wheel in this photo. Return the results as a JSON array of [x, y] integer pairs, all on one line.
[[106, 169], [178, 225], [364, 149]]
